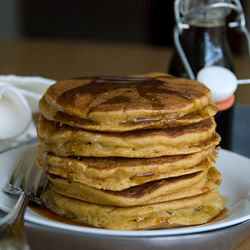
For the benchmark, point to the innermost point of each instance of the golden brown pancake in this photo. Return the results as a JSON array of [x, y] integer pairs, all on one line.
[[67, 141], [130, 153], [127, 103], [119, 173], [152, 192], [189, 211]]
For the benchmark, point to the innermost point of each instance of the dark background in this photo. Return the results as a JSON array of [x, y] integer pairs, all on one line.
[[133, 21], [126, 21]]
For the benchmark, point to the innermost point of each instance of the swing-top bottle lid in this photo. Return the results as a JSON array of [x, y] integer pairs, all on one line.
[[200, 13]]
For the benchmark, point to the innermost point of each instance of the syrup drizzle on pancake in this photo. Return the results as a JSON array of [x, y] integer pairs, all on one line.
[[116, 104], [147, 88]]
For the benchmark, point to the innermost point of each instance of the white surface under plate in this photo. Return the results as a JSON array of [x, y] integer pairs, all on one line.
[[235, 170]]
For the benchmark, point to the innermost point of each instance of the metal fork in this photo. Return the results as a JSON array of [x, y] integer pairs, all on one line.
[[29, 182]]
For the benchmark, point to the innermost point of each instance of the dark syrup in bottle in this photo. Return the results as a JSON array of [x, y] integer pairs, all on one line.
[[206, 45]]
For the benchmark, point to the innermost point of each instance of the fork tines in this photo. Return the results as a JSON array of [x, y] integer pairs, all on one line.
[[28, 178]]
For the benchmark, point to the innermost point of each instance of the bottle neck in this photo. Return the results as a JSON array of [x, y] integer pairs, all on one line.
[[213, 35], [206, 23]]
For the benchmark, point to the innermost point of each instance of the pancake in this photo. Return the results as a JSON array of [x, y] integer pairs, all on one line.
[[189, 211], [153, 192], [66, 141], [116, 104], [121, 173], [130, 153]]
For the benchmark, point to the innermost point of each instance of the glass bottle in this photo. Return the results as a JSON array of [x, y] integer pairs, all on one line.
[[205, 44]]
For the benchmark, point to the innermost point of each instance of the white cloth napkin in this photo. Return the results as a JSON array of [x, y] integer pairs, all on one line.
[[19, 96]]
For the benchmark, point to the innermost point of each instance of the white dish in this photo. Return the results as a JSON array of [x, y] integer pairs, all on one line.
[[235, 170]]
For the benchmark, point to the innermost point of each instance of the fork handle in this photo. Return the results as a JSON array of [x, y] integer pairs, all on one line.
[[12, 226]]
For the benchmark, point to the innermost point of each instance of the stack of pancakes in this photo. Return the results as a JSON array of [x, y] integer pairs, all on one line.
[[130, 153]]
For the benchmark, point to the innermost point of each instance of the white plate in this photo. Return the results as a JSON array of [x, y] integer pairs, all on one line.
[[235, 170]]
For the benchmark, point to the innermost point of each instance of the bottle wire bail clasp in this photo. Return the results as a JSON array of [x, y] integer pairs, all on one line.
[[181, 18]]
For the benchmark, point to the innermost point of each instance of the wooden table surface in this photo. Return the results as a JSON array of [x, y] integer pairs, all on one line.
[[62, 59]]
